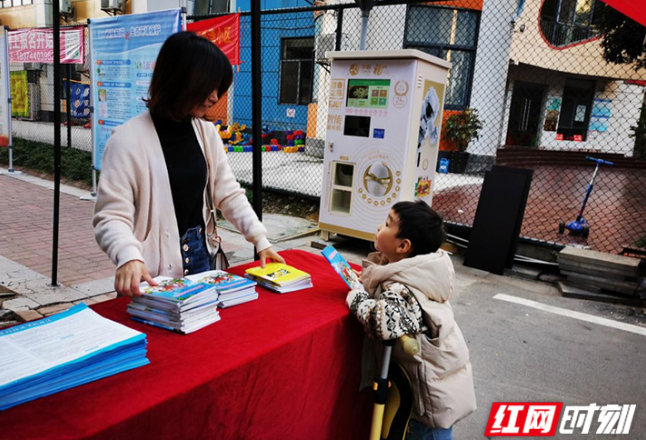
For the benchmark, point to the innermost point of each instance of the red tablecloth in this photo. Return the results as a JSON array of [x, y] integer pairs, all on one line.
[[281, 367]]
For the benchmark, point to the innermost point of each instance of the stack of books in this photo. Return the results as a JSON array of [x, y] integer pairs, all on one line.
[[280, 278], [176, 304], [232, 289], [63, 351]]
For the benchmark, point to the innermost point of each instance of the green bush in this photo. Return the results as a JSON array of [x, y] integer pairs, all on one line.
[[463, 127], [75, 164]]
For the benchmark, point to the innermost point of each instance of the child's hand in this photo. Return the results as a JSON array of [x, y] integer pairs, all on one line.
[[356, 285], [357, 273]]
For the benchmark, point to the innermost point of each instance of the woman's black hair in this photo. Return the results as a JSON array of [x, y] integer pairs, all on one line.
[[420, 224], [188, 69]]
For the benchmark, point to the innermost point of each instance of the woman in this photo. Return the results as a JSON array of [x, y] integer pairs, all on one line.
[[151, 213]]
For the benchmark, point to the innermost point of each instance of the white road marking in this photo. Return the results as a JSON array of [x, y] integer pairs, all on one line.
[[572, 314]]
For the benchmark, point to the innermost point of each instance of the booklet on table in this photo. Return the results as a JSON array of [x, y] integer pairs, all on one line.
[[63, 351], [280, 277]]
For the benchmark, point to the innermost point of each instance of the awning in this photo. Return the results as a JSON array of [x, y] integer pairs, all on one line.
[[630, 9]]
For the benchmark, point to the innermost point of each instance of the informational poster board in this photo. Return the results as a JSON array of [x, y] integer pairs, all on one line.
[[123, 52], [5, 113]]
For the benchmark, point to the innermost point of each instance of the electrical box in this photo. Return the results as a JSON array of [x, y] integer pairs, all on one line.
[[383, 132]]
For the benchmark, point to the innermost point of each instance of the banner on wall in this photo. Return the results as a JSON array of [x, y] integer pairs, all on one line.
[[224, 32], [19, 94], [36, 45], [123, 51], [5, 117]]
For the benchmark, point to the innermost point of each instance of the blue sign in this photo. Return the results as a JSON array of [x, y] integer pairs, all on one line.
[[123, 51]]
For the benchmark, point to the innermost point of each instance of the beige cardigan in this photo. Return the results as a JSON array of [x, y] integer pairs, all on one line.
[[134, 216]]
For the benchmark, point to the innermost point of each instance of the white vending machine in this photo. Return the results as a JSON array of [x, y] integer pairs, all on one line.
[[383, 133]]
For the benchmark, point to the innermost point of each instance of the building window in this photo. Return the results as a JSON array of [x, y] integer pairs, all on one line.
[[566, 22], [10, 3], [450, 34], [203, 7], [296, 66], [578, 95]]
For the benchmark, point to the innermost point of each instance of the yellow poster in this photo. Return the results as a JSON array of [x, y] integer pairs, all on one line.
[[19, 94]]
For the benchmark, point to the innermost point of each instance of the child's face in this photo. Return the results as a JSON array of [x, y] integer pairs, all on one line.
[[386, 240]]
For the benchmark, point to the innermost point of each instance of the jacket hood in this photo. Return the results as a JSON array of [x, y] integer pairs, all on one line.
[[429, 274]]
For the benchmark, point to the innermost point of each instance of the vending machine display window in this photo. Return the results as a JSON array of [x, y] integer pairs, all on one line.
[[368, 93], [356, 126]]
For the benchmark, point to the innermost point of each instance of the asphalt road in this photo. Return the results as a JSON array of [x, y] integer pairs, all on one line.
[[523, 354]]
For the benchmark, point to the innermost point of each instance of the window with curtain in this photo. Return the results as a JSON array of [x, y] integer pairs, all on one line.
[[296, 67], [450, 34]]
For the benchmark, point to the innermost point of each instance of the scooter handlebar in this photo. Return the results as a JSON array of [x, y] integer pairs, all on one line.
[[411, 346], [599, 161]]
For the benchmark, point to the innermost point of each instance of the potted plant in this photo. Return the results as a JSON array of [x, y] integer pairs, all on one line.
[[462, 128]]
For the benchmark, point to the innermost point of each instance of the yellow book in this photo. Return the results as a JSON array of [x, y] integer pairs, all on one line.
[[277, 274]]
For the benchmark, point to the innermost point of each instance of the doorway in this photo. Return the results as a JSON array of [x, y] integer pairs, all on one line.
[[525, 114]]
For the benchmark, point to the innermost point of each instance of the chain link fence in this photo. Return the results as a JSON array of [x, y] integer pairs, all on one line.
[[530, 75], [32, 92]]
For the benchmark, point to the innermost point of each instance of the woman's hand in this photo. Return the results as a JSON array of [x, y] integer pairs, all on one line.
[[128, 277], [269, 254]]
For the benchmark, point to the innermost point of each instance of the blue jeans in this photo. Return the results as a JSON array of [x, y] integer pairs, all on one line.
[[419, 431], [195, 255]]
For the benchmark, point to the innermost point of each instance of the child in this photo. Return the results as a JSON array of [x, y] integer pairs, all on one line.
[[407, 286]]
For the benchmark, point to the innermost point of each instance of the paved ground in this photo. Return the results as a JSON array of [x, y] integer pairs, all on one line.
[[527, 343], [616, 210]]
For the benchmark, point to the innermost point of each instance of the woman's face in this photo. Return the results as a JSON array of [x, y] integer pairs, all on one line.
[[200, 110]]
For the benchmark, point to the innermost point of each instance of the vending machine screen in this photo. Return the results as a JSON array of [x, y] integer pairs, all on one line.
[[368, 93], [357, 126]]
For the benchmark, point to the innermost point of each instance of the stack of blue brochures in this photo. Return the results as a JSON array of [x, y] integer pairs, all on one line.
[[62, 351], [176, 304]]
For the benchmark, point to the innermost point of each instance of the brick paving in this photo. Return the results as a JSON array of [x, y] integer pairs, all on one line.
[[26, 225], [616, 210]]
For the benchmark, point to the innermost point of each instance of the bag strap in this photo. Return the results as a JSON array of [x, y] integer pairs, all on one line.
[[210, 227]]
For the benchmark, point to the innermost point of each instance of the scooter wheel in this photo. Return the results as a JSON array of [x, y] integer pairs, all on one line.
[[561, 227]]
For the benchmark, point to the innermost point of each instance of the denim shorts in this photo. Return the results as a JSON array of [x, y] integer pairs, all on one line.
[[195, 255]]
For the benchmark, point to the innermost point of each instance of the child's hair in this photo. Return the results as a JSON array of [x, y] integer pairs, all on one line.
[[420, 224]]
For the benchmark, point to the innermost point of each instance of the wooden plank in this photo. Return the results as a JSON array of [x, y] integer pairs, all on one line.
[[624, 287], [601, 259], [570, 290]]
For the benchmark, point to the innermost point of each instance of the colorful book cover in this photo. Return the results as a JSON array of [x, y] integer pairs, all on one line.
[[223, 281], [278, 274], [341, 266], [174, 290]]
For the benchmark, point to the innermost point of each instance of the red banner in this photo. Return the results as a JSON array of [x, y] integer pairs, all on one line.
[[36, 45], [224, 32], [629, 8]]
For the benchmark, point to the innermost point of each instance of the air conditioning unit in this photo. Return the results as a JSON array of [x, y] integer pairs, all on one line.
[[110, 5], [327, 43], [65, 7]]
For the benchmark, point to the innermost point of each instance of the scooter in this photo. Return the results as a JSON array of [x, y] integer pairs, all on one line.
[[393, 395], [580, 227]]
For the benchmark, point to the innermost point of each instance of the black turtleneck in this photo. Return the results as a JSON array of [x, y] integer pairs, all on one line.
[[186, 170]]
